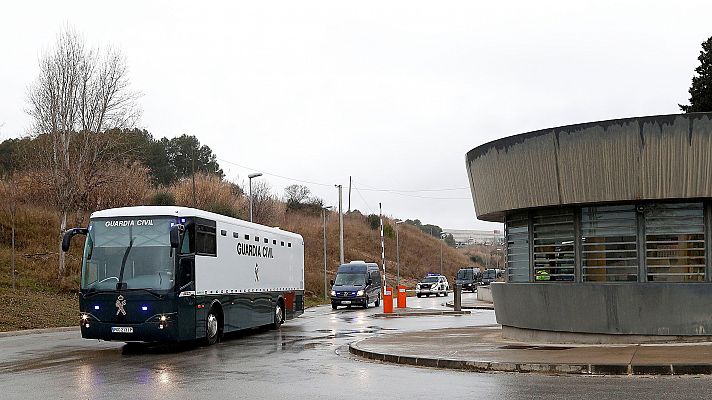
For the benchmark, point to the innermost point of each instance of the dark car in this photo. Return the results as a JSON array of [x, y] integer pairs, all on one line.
[[468, 278], [357, 283]]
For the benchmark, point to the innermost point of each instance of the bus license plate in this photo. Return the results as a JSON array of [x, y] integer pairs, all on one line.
[[121, 329], [345, 301]]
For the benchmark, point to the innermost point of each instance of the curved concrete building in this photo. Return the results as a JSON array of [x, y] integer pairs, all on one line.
[[608, 226]]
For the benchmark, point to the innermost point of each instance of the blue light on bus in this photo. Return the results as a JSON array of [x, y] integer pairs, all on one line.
[[144, 308], [96, 307], [182, 220]]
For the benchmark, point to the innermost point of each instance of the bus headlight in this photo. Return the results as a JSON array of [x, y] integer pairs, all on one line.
[[333, 292], [359, 293]]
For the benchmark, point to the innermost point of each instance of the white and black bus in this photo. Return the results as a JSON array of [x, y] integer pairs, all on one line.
[[166, 274]]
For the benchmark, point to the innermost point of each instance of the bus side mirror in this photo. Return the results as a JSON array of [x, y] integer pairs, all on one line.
[[176, 230], [67, 238], [331, 282]]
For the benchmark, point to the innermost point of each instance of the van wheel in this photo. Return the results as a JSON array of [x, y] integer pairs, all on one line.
[[378, 300], [212, 327], [333, 306]]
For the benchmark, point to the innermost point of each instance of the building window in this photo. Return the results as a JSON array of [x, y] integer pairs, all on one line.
[[235, 235], [554, 258], [517, 231], [609, 250], [223, 232], [266, 240], [675, 242]]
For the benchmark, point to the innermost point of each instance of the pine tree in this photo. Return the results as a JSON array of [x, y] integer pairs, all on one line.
[[701, 89]]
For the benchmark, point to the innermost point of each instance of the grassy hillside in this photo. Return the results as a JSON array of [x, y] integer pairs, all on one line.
[[41, 301]]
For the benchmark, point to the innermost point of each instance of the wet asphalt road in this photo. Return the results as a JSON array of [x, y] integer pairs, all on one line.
[[306, 359]]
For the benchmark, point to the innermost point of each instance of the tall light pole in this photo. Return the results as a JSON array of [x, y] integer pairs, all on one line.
[[441, 254], [323, 215], [341, 228], [397, 255], [250, 176]]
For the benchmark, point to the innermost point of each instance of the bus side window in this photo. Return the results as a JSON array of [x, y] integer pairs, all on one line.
[[188, 246], [205, 240]]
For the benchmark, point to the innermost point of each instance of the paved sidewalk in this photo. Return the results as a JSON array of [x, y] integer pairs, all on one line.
[[483, 349], [472, 304]]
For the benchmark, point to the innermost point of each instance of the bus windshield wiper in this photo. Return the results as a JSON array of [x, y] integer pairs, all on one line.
[[119, 284], [151, 292]]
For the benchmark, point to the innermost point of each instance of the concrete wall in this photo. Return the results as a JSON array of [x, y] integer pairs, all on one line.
[[674, 309], [484, 293], [659, 157]]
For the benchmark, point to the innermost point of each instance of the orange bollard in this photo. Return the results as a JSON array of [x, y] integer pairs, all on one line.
[[401, 296], [387, 300]]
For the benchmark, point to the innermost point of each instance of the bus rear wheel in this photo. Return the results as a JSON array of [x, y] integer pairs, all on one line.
[[212, 327], [278, 315]]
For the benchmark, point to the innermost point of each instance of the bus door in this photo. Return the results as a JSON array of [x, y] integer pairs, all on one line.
[[185, 292]]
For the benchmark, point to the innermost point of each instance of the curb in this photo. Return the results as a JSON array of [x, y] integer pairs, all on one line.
[[450, 304], [38, 331], [419, 314], [543, 368]]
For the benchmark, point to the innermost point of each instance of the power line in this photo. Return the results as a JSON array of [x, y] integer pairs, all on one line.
[[372, 189], [403, 193]]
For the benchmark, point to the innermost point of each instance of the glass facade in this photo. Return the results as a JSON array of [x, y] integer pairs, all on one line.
[[660, 242], [553, 248], [609, 250], [517, 233]]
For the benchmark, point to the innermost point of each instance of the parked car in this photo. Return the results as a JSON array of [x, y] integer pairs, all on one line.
[[468, 278], [432, 284], [357, 283], [492, 275]]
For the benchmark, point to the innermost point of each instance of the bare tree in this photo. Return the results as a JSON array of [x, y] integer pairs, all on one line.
[[296, 193], [265, 206], [79, 94]]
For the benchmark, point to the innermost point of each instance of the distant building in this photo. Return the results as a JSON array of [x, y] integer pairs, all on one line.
[[464, 237]]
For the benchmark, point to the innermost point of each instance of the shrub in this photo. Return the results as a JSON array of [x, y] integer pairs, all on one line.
[[374, 221], [163, 198]]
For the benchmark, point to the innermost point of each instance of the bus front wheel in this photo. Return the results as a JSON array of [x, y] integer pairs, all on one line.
[[212, 327]]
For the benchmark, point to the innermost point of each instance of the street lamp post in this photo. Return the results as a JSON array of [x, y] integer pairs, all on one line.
[[250, 176], [323, 215], [397, 255]]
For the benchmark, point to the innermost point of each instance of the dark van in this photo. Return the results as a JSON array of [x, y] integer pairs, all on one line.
[[468, 278], [357, 283]]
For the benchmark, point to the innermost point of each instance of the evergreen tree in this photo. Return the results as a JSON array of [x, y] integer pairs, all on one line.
[[701, 89]]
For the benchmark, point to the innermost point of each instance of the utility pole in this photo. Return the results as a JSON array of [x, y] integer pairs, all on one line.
[[397, 255], [349, 194], [341, 227], [441, 256], [249, 177], [383, 246], [192, 171], [323, 214]]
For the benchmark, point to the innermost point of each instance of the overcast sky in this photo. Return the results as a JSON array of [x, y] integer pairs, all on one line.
[[393, 93]]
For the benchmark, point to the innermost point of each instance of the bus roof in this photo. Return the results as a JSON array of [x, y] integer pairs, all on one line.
[[176, 211]]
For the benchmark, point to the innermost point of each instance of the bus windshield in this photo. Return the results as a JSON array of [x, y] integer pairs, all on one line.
[[132, 251]]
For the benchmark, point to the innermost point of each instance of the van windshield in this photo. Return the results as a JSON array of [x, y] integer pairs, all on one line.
[[464, 274], [430, 279], [350, 279], [490, 274]]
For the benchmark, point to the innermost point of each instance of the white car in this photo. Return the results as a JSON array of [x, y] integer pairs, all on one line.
[[432, 284]]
